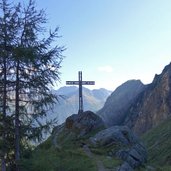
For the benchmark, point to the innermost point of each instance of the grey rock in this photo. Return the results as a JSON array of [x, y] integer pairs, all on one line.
[[141, 149], [119, 134], [84, 123], [139, 152], [122, 154], [133, 162], [125, 167], [131, 150], [134, 156], [77, 126]]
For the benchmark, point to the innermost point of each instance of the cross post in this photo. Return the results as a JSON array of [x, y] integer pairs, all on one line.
[[80, 83], [80, 93]]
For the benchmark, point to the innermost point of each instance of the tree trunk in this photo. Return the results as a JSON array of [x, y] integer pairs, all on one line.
[[3, 164], [17, 122]]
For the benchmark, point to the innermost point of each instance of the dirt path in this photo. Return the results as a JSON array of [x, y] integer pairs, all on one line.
[[99, 163]]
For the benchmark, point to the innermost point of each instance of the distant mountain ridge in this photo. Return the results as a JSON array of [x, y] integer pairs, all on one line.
[[68, 104], [116, 105]]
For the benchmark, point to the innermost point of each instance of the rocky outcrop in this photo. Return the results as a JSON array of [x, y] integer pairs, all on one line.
[[114, 110], [130, 148], [88, 129], [84, 123], [118, 134], [77, 125], [153, 105]]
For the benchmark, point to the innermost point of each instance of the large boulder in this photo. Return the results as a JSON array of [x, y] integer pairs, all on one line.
[[76, 126], [118, 134], [84, 123], [130, 149]]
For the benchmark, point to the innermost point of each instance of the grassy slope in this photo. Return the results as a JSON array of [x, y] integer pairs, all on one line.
[[158, 142], [69, 157], [48, 158]]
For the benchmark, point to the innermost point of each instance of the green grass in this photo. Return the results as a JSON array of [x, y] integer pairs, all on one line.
[[158, 142], [71, 157], [103, 154], [53, 159], [109, 162]]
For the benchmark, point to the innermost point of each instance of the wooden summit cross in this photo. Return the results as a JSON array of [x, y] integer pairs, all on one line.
[[80, 83]]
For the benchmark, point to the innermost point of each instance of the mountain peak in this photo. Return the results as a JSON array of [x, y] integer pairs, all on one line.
[[113, 112], [167, 68], [153, 105], [166, 73]]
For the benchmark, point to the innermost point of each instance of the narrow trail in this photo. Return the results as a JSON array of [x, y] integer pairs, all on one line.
[[99, 163]]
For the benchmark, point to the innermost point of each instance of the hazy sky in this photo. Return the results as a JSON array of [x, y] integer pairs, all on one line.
[[111, 41]]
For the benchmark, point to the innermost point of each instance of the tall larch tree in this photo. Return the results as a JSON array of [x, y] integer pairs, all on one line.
[[8, 30], [33, 64]]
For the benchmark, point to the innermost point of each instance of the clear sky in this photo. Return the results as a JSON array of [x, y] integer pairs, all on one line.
[[111, 41]]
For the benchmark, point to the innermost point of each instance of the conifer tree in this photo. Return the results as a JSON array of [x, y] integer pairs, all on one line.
[[8, 28], [30, 66]]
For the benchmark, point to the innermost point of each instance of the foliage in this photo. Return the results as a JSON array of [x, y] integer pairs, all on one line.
[[29, 66], [9, 143]]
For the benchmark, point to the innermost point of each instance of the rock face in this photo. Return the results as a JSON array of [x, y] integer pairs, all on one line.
[[131, 150], [84, 123], [114, 110], [76, 126], [153, 105]]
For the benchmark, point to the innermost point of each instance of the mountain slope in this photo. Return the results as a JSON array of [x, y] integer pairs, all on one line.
[[83, 143], [158, 142], [153, 105], [68, 104], [113, 112]]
